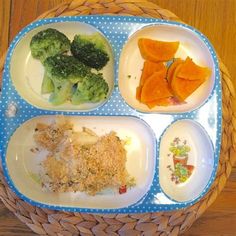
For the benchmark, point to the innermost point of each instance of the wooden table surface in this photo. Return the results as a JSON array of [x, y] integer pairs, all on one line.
[[217, 20]]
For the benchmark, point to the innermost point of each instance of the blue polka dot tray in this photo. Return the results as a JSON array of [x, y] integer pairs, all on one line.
[[169, 148]]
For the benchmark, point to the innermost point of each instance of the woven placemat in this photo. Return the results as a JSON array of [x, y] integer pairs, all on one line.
[[49, 222]]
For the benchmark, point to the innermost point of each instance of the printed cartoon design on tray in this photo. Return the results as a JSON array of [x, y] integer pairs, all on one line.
[[180, 154]]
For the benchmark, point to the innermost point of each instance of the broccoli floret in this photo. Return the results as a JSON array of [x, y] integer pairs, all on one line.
[[90, 49], [92, 89], [64, 71], [62, 67], [62, 93], [47, 84], [49, 42]]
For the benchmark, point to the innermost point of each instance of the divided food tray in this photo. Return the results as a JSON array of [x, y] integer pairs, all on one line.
[[195, 124]]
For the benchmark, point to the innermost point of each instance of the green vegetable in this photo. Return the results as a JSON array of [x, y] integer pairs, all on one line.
[[49, 42], [90, 49], [92, 89], [47, 85], [64, 71], [62, 92]]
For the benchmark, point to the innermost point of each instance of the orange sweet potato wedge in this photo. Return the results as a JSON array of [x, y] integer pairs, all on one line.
[[157, 51], [159, 102], [138, 93], [171, 69], [149, 68], [183, 88], [192, 71], [155, 87], [174, 75], [170, 101]]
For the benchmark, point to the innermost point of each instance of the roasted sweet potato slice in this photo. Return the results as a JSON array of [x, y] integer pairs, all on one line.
[[149, 68], [191, 71], [159, 102], [174, 74], [183, 88], [138, 93], [171, 69], [155, 87], [157, 51], [170, 101]]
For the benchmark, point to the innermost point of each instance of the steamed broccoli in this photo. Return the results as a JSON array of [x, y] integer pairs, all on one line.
[[64, 71], [47, 84], [49, 42], [90, 49], [92, 89]]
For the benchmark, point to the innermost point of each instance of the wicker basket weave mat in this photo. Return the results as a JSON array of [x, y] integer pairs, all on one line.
[[50, 222]]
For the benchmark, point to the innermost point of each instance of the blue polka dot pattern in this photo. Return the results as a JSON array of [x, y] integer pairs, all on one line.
[[117, 29]]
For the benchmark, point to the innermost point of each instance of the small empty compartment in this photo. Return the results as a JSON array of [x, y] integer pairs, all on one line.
[[24, 162], [186, 160]]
